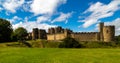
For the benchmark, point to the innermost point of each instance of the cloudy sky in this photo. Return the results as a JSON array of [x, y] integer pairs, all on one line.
[[78, 15]]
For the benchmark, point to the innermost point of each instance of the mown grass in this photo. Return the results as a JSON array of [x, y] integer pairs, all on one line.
[[56, 55]]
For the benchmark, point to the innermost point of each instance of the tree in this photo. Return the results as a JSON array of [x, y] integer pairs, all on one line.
[[5, 30], [117, 38], [20, 33], [69, 42]]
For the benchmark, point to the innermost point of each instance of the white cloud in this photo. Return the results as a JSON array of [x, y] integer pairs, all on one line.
[[1, 8], [63, 17], [33, 24], [116, 23], [99, 11], [45, 6], [14, 19], [26, 6], [12, 5], [42, 19]]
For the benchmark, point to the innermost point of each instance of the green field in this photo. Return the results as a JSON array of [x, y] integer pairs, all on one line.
[[56, 55]]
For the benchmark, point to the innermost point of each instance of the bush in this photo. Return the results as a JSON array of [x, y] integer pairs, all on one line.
[[69, 43], [99, 44], [117, 38]]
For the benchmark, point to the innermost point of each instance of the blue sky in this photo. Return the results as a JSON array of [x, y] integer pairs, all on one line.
[[78, 15]]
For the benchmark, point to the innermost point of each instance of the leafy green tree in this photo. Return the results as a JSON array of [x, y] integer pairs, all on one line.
[[5, 30], [117, 38], [69, 42], [14, 37], [20, 33]]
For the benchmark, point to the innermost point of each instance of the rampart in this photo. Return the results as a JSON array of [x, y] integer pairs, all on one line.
[[86, 36]]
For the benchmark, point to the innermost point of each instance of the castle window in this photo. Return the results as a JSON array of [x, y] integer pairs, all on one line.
[[107, 31]]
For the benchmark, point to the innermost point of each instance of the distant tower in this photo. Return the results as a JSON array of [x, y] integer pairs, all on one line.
[[51, 30], [67, 32], [35, 33], [101, 25], [59, 29], [108, 33], [42, 34]]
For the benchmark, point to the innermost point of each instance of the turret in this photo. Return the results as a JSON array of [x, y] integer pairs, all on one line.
[[67, 32], [35, 33], [42, 34], [101, 25], [109, 33]]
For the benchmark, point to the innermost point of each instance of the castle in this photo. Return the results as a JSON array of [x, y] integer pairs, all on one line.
[[106, 34]]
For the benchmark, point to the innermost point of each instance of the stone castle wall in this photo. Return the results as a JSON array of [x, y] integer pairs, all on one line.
[[86, 36], [57, 33], [58, 36], [91, 36]]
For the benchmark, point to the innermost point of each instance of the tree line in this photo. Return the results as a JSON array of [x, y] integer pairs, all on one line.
[[7, 34]]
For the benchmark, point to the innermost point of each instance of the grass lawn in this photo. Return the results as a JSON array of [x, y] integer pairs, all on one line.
[[56, 55]]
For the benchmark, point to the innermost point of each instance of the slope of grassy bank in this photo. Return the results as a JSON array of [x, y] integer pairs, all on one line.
[[55, 44], [56, 55], [33, 44]]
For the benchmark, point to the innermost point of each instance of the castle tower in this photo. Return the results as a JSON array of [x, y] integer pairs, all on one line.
[[42, 34], [51, 30], [67, 32], [35, 33], [58, 29], [101, 25], [108, 33]]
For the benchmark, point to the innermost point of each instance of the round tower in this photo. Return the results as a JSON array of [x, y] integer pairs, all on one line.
[[108, 33]]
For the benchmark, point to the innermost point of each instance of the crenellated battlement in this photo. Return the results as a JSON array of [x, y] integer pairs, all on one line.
[[85, 32], [110, 26]]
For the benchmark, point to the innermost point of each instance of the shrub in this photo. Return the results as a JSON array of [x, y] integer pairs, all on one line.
[[69, 43], [99, 44]]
